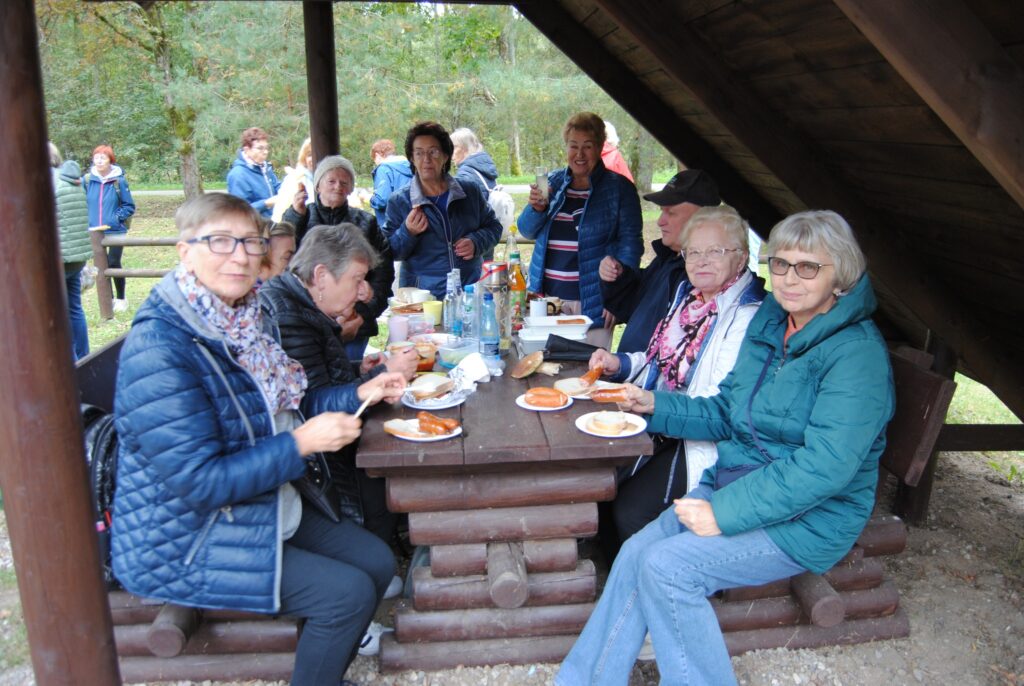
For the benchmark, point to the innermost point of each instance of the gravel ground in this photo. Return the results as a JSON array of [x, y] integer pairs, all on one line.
[[961, 580]]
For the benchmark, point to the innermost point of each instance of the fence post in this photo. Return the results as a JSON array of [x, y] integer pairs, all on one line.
[[99, 258]]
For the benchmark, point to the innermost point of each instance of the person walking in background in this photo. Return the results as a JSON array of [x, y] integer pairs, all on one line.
[[75, 248], [251, 176], [111, 205], [299, 176], [610, 154], [391, 172], [474, 165]]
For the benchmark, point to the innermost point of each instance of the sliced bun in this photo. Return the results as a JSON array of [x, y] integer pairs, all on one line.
[[403, 427], [430, 386], [573, 387], [607, 423]]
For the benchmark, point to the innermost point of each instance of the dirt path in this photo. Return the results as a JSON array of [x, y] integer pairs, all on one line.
[[961, 580]]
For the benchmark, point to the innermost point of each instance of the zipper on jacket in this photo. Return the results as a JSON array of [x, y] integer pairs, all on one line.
[[192, 551]]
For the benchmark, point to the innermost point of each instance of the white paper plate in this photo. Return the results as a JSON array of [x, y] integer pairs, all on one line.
[[521, 402], [428, 439], [452, 399], [634, 424]]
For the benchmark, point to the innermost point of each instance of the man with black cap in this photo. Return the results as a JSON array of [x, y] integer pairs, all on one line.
[[641, 297]]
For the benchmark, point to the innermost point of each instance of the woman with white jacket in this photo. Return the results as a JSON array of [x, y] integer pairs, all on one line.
[[691, 350]]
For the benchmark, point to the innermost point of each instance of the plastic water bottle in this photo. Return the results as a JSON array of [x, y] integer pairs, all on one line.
[[453, 304], [490, 336], [510, 244], [468, 330]]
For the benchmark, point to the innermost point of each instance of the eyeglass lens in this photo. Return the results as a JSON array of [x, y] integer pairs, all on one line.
[[433, 153], [225, 245], [713, 254], [805, 270]]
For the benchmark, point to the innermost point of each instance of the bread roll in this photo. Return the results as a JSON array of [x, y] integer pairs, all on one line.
[[607, 423]]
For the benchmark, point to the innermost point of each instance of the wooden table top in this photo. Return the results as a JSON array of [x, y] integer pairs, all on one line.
[[497, 431]]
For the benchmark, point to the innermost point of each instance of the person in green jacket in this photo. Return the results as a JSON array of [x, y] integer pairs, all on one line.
[[800, 426], [75, 248]]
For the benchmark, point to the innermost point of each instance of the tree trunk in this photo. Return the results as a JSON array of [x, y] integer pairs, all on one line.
[[643, 161], [508, 55]]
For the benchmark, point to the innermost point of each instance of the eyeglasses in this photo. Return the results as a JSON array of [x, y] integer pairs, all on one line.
[[225, 245], [713, 254], [805, 270], [433, 153], [261, 148]]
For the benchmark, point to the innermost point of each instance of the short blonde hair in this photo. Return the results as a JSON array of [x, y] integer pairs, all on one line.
[[194, 213], [587, 122], [822, 231], [735, 226]]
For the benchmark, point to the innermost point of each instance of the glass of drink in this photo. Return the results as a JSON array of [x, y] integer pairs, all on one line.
[[542, 181]]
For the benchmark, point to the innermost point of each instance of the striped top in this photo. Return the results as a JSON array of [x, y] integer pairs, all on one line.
[[562, 262]]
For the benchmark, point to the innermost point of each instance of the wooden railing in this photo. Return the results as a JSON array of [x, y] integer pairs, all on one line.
[[100, 241]]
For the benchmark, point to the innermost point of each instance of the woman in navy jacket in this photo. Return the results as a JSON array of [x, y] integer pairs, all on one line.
[[207, 412], [111, 205], [436, 224]]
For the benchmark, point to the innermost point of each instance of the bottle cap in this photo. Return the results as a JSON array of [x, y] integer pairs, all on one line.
[[488, 295], [469, 288]]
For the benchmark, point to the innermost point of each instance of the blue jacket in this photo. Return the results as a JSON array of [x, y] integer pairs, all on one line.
[[391, 175], [253, 183], [611, 225], [642, 297], [807, 424], [429, 256], [196, 517], [110, 199], [479, 164]]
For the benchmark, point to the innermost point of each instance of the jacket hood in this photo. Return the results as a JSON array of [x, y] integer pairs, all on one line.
[[70, 172], [480, 162], [115, 171], [856, 306]]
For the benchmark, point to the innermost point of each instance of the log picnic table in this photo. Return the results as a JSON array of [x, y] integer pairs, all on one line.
[[501, 508]]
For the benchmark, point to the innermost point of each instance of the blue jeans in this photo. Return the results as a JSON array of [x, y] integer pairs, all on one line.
[[79, 330], [333, 575], [660, 583]]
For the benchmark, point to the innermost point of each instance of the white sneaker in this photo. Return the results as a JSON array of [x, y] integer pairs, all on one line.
[[646, 650], [370, 645], [394, 588], [120, 305]]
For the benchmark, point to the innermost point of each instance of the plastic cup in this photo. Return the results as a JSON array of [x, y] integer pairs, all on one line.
[[542, 181], [538, 308], [398, 328], [432, 309]]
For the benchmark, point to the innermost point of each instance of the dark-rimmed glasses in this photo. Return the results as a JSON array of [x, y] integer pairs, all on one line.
[[220, 244], [805, 270]]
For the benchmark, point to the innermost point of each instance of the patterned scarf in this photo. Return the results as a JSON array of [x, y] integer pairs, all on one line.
[[282, 379], [677, 339]]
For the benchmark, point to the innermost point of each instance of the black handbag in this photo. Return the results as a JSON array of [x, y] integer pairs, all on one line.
[[315, 487]]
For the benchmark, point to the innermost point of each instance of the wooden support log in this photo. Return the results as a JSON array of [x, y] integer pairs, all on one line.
[[503, 524], [466, 625], [552, 555], [772, 589], [478, 491], [765, 613], [204, 668], [896, 625], [506, 574], [465, 592], [126, 608], [865, 574], [395, 656], [217, 638], [458, 560], [883, 535], [855, 555], [171, 629], [819, 601]]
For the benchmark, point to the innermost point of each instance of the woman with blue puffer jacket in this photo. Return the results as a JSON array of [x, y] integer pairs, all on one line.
[[110, 205]]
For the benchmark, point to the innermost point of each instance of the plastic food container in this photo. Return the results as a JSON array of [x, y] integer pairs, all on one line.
[[452, 352], [571, 326], [530, 341]]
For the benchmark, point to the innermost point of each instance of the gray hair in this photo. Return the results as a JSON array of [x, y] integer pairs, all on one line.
[[464, 138], [335, 247], [209, 207], [822, 231], [55, 158], [735, 226]]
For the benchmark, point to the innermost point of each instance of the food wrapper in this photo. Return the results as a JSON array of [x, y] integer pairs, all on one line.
[[470, 370]]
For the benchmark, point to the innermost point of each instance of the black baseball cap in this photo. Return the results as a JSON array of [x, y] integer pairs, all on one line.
[[692, 185]]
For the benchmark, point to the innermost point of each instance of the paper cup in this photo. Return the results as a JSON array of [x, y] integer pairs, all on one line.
[[432, 309], [538, 308]]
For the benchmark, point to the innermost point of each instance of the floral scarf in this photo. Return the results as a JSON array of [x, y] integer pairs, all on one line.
[[677, 339], [282, 379]]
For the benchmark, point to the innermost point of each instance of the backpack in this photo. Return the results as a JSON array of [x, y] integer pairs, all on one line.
[[502, 204], [101, 459], [117, 187]]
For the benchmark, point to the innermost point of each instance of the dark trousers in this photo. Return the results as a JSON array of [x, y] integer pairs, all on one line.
[[333, 575], [644, 495], [376, 516], [114, 262]]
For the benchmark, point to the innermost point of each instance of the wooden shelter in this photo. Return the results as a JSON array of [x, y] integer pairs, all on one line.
[[904, 116]]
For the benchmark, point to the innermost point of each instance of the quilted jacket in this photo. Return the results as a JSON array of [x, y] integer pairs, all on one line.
[[391, 175], [110, 199], [429, 256], [196, 517], [808, 420], [253, 183], [611, 225], [72, 213]]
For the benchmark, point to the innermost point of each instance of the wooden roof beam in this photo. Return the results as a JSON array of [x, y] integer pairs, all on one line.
[[688, 59], [955, 64], [562, 29]]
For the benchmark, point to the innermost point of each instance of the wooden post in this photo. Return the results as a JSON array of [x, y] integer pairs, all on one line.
[[103, 290], [506, 574], [42, 464], [321, 78]]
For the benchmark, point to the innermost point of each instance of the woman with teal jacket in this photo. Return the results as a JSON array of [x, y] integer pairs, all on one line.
[[800, 425]]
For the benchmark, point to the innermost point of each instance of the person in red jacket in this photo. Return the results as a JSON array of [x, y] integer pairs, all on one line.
[[610, 154]]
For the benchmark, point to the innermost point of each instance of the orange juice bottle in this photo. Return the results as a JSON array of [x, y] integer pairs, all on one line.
[[516, 292]]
